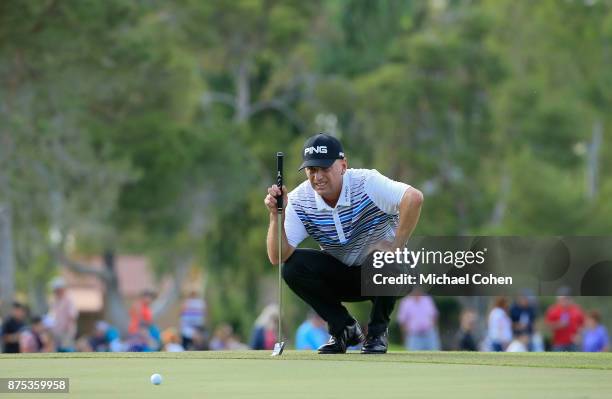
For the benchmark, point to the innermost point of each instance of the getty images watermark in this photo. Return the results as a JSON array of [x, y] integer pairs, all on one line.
[[479, 265], [412, 259]]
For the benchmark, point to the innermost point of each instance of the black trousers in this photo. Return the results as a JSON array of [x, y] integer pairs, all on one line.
[[324, 282]]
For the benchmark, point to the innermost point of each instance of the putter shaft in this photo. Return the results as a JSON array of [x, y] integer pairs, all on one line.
[[280, 275]]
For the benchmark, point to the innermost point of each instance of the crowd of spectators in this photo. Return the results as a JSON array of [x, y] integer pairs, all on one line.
[[511, 325]]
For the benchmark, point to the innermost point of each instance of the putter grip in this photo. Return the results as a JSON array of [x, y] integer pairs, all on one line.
[[279, 179]]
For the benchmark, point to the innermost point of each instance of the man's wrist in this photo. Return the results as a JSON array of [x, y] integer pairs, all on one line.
[[274, 218], [399, 244]]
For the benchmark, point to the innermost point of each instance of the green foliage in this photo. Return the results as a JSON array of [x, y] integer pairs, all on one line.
[[154, 124]]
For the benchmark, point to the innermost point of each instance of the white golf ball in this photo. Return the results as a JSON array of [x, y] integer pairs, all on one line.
[[156, 379]]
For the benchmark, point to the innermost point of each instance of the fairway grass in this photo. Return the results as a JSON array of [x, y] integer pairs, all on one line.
[[254, 374]]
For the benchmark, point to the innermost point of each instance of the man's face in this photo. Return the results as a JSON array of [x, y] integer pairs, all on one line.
[[327, 182], [19, 313], [590, 322], [564, 301]]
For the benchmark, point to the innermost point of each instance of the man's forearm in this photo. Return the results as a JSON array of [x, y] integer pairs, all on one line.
[[272, 241], [410, 210]]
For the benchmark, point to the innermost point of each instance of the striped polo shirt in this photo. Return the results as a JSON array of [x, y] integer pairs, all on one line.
[[367, 212]]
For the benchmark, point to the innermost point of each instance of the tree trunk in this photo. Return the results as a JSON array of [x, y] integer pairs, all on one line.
[[499, 210], [167, 299], [593, 159], [7, 260], [116, 312], [37, 290], [243, 92]]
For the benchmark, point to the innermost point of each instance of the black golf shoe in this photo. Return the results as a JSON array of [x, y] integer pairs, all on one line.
[[350, 336], [376, 343]]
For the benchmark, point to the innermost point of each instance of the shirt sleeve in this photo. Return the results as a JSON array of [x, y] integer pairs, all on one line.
[[294, 228], [384, 192], [552, 315]]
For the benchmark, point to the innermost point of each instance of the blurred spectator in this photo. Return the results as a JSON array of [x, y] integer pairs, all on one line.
[[142, 341], [536, 343], [465, 340], [82, 345], [199, 341], [155, 335], [117, 345], [311, 333], [417, 316], [224, 339], [264, 331], [12, 327], [36, 338], [140, 312], [499, 325], [113, 337], [171, 341], [65, 314], [595, 336], [523, 315], [565, 319], [99, 341], [106, 338], [193, 315], [520, 343]]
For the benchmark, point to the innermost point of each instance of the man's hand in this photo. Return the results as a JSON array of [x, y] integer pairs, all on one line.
[[270, 201], [272, 240]]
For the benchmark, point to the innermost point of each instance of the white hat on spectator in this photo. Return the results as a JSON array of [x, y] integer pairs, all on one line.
[[58, 283]]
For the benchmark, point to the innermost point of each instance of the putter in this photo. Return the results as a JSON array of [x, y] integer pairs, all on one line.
[[280, 345]]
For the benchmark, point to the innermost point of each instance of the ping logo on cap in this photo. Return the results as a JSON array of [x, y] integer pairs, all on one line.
[[321, 149]]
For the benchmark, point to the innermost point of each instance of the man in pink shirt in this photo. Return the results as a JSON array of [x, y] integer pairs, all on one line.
[[65, 316], [417, 316]]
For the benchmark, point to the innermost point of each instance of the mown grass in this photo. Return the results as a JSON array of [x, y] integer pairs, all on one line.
[[254, 374]]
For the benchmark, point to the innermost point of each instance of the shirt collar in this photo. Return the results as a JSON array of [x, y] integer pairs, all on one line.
[[345, 196]]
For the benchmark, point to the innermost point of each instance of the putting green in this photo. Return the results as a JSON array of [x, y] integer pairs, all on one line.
[[307, 375]]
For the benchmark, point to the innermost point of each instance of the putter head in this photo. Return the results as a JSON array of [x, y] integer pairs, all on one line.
[[278, 349]]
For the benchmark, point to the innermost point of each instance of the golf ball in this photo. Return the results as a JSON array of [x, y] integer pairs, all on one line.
[[156, 379]]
